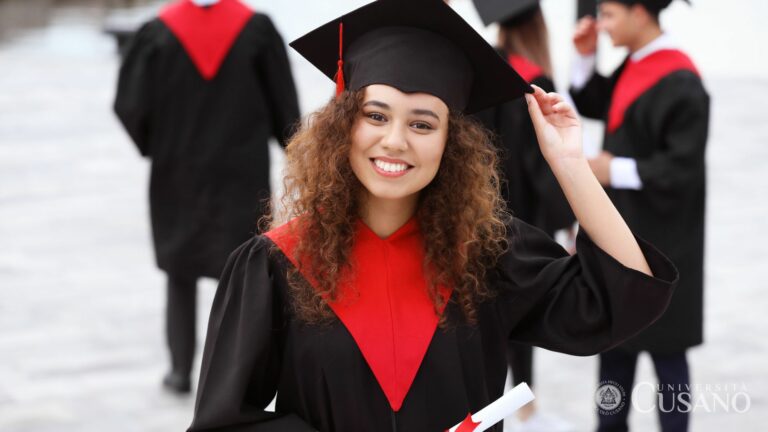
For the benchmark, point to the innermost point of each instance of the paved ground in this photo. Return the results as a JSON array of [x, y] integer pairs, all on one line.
[[81, 304]]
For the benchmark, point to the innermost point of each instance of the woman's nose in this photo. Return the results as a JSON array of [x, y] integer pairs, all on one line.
[[395, 138]]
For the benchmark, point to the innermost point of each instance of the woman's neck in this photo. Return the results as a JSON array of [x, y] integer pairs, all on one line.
[[385, 216]]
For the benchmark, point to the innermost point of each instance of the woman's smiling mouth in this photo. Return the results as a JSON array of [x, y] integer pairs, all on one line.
[[390, 167]]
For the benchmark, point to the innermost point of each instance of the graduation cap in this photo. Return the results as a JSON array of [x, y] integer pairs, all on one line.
[[652, 5], [414, 46], [497, 11]]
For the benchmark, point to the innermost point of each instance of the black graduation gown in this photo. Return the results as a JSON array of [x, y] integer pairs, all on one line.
[[529, 187], [665, 129], [580, 305], [207, 139]]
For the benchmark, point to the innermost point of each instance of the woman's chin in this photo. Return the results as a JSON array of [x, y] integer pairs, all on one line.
[[389, 194]]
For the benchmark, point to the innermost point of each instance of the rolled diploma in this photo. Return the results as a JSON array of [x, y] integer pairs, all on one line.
[[501, 408]]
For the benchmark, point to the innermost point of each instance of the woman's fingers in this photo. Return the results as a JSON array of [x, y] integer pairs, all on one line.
[[535, 110], [567, 115], [554, 100], [546, 100], [533, 105], [548, 104], [555, 97], [542, 98]]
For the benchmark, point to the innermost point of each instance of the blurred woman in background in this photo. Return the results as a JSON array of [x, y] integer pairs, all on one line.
[[531, 190]]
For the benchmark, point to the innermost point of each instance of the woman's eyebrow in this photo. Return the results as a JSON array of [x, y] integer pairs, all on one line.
[[426, 113], [377, 103], [382, 105]]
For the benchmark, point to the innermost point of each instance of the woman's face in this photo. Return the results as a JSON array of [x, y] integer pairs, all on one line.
[[398, 141]]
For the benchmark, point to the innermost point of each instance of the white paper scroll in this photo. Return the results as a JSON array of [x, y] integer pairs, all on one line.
[[500, 408]]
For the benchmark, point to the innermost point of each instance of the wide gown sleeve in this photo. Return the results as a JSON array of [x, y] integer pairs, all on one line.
[[242, 360], [279, 87], [581, 304], [135, 83]]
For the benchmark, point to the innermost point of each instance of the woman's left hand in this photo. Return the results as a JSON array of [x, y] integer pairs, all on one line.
[[559, 132], [557, 125]]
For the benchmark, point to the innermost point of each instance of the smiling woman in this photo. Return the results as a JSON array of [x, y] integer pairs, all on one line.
[[363, 137], [386, 302]]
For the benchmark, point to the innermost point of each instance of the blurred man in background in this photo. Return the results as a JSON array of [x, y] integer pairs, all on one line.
[[657, 116]]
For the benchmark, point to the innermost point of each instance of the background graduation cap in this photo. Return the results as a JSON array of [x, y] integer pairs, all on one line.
[[497, 11], [414, 46]]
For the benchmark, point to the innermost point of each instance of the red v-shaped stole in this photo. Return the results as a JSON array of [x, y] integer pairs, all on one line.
[[206, 33], [638, 77], [384, 303], [524, 67]]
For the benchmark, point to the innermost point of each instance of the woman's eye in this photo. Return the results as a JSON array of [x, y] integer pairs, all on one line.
[[422, 125], [376, 117]]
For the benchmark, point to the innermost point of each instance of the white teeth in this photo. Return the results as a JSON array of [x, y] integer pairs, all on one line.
[[390, 167]]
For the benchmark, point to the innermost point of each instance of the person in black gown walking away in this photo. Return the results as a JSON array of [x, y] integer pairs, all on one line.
[[201, 90]]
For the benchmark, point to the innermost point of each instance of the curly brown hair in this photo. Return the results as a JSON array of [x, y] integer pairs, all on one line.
[[460, 213]]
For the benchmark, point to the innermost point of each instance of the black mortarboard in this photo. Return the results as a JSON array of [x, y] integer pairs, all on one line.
[[414, 46], [655, 6], [497, 11]]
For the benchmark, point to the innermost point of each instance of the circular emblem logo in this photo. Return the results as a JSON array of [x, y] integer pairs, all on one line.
[[610, 397]]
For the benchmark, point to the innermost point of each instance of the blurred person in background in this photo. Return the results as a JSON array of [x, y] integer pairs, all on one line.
[[653, 166], [531, 191], [202, 88]]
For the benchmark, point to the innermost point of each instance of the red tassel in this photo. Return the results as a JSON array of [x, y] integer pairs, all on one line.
[[340, 71]]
